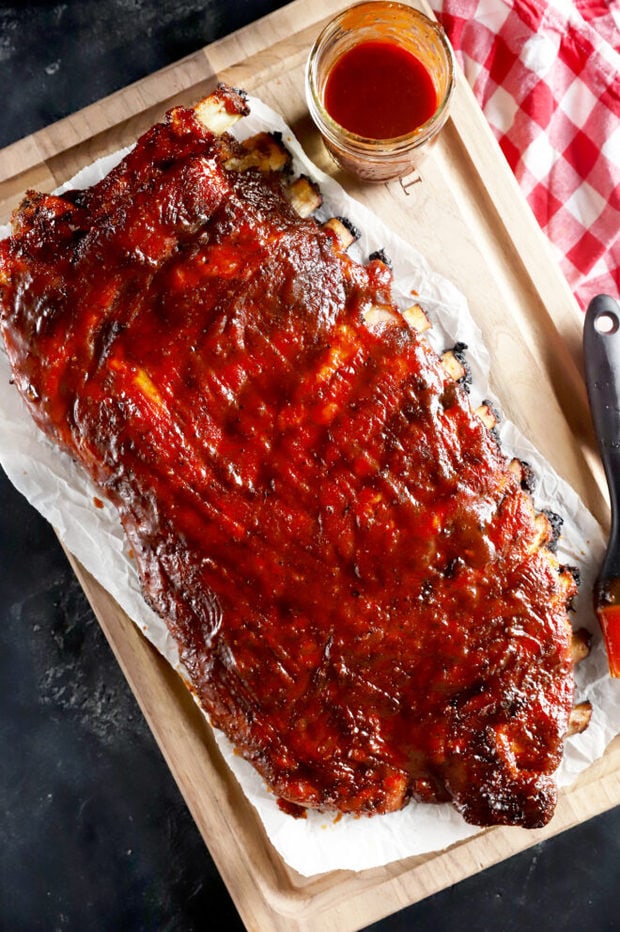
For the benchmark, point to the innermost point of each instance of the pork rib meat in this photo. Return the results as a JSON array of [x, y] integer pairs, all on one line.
[[359, 586]]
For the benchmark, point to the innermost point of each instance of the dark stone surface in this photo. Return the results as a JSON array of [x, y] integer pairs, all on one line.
[[93, 832], [60, 57]]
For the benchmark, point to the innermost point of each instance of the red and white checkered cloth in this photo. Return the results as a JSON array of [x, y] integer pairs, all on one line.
[[547, 76]]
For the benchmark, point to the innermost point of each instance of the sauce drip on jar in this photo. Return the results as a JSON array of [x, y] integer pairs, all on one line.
[[379, 90]]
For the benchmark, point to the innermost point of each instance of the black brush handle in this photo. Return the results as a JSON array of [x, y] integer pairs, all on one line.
[[601, 347]]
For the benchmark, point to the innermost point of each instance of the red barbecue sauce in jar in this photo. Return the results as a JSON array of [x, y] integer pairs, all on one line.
[[379, 90], [379, 79]]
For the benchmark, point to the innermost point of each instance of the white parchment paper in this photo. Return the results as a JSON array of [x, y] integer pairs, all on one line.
[[59, 490]]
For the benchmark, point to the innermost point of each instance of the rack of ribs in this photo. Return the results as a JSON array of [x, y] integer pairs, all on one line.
[[364, 598]]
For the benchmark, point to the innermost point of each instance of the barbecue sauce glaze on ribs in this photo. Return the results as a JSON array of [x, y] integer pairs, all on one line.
[[355, 579]]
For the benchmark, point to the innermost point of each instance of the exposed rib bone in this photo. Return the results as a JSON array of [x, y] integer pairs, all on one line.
[[345, 232], [304, 196], [416, 318], [487, 415], [579, 718], [221, 109], [453, 366], [264, 151], [581, 644]]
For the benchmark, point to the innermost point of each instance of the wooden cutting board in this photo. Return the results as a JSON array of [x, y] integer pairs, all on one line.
[[465, 213]]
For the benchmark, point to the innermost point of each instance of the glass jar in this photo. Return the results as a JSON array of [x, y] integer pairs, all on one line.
[[386, 22]]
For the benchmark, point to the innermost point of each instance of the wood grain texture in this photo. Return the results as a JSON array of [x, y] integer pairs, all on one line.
[[467, 216]]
